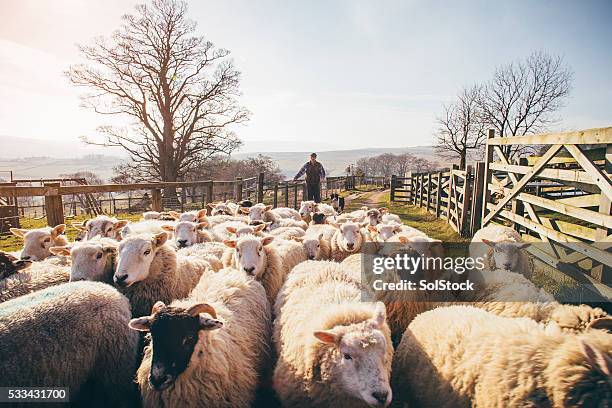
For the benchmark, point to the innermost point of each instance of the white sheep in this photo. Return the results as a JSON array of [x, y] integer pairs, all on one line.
[[247, 229], [306, 210], [317, 248], [92, 260], [36, 276], [187, 233], [288, 232], [146, 227], [73, 335], [288, 222], [220, 232], [348, 239], [224, 208], [325, 209], [262, 212], [192, 216], [462, 356], [215, 220], [501, 247], [151, 215], [103, 226], [333, 348], [36, 242], [255, 257], [149, 270], [206, 350]]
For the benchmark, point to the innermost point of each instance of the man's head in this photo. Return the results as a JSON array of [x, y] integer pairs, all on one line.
[[313, 157]]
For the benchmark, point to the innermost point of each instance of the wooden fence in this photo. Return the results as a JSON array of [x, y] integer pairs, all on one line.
[[561, 198]]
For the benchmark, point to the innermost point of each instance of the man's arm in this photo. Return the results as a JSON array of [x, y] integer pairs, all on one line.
[[302, 171]]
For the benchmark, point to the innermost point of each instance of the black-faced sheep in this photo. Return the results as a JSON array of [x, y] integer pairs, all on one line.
[[36, 242], [207, 350], [333, 349], [73, 335], [462, 356]]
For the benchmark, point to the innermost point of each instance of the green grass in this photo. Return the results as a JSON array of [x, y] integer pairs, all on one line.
[[9, 243]]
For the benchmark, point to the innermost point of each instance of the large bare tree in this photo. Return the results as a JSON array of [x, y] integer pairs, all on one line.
[[179, 90], [523, 96], [460, 127]]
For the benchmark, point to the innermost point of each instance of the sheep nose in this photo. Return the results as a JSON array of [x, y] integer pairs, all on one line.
[[380, 396], [121, 279], [182, 243], [350, 246], [249, 270], [507, 266], [160, 382], [311, 257]]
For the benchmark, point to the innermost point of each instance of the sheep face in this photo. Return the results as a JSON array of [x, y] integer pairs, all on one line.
[[306, 209], [257, 212], [187, 233], [386, 231], [91, 260], [223, 209], [191, 216], [175, 332], [249, 254], [247, 230], [36, 242], [355, 359], [10, 265], [373, 217], [135, 255], [505, 253], [350, 237], [312, 245], [103, 226]]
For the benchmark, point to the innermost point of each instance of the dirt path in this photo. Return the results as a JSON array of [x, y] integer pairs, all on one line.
[[372, 199]]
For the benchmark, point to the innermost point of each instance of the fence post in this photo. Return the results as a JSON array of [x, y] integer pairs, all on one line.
[[156, 200], [438, 194], [393, 184], [477, 192], [295, 196], [286, 192], [428, 191], [517, 205], [53, 204], [260, 187], [275, 198], [604, 272], [209, 192], [305, 191], [467, 196], [238, 189], [421, 189], [487, 175]]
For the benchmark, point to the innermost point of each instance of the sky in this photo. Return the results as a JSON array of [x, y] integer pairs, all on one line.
[[318, 75]]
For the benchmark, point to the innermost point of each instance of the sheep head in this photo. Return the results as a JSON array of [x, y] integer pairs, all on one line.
[[188, 233], [135, 255], [350, 238], [505, 254], [249, 254], [175, 332], [312, 245], [92, 260], [36, 242], [104, 226]]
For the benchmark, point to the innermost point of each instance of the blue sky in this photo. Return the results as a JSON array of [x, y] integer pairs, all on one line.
[[321, 74]]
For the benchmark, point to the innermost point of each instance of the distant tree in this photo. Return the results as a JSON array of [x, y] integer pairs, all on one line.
[[524, 95], [178, 88], [461, 128]]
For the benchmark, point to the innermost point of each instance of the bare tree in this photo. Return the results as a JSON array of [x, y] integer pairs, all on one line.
[[178, 88], [523, 96], [461, 128]]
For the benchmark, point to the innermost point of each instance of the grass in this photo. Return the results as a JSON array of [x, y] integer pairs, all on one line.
[[10, 243]]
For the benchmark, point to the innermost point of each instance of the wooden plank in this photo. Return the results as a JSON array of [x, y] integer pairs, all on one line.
[[576, 176], [53, 205], [587, 200], [578, 231], [478, 189], [599, 177], [438, 193], [589, 136], [465, 202], [488, 175], [523, 181]]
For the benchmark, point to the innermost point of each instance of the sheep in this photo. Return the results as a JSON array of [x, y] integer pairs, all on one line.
[[262, 212], [38, 275], [289, 222], [151, 215], [187, 233], [384, 231], [224, 208], [501, 247], [212, 249], [288, 232], [255, 257], [318, 219], [10, 265], [215, 220], [333, 349], [358, 216], [148, 270], [146, 226], [373, 217], [326, 209], [347, 240], [387, 217], [463, 356], [290, 252], [101, 225], [206, 350], [73, 335], [220, 232], [306, 210], [92, 260], [193, 216], [247, 229], [327, 230], [36, 242], [317, 248]]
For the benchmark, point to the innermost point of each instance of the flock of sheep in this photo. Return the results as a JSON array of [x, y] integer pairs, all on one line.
[[221, 306]]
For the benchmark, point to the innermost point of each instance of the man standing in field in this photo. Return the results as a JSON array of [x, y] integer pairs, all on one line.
[[315, 174]]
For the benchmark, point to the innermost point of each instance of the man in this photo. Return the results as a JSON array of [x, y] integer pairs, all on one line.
[[315, 174]]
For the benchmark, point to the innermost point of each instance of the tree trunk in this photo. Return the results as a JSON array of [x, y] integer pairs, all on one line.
[[462, 159]]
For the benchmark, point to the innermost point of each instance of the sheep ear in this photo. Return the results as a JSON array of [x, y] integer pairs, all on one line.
[[403, 239], [109, 249], [202, 225], [200, 308], [244, 210], [267, 240], [523, 245], [379, 317], [597, 359], [603, 323], [231, 230], [260, 227], [158, 307], [174, 215], [19, 232], [120, 224], [160, 239], [60, 250], [372, 228], [489, 243], [168, 228], [58, 230], [206, 323], [383, 210], [268, 208], [320, 236], [202, 213], [79, 226], [141, 323], [364, 208], [326, 336], [231, 243]]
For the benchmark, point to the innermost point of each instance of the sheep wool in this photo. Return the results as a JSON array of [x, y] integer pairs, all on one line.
[[39, 275], [463, 356], [71, 335]]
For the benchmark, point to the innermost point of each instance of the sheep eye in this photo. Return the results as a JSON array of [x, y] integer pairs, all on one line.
[[318, 245], [347, 356], [99, 255], [47, 239], [147, 252]]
